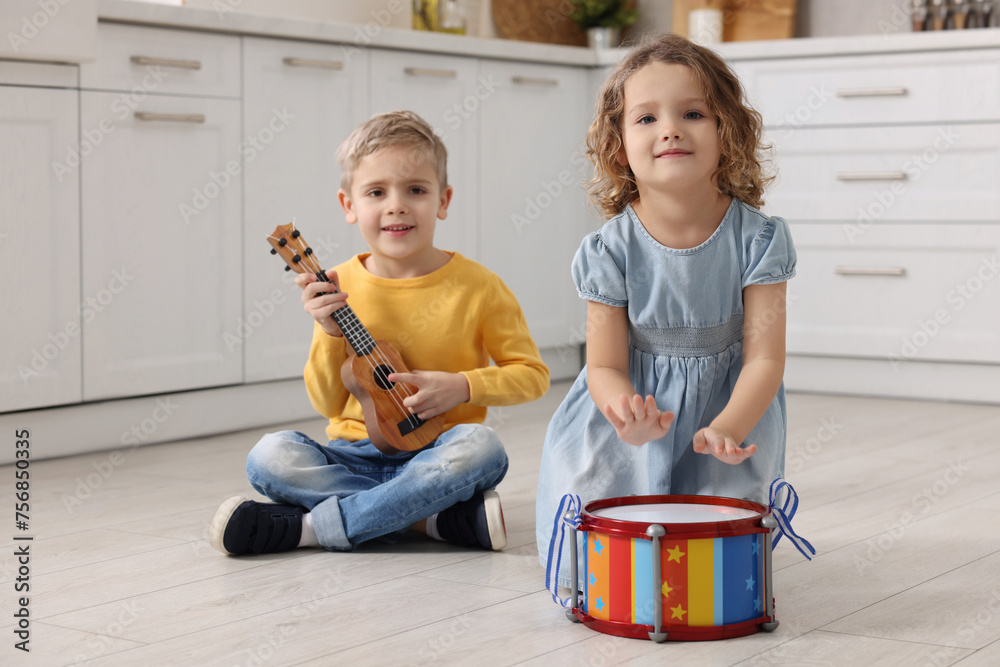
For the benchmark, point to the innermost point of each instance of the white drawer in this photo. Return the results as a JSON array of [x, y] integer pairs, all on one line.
[[865, 175], [896, 88], [158, 61], [898, 292]]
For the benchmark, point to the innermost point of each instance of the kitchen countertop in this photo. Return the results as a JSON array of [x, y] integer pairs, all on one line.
[[899, 38]]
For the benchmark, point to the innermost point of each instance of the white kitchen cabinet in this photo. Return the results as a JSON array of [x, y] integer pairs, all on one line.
[[898, 293], [960, 85], [161, 244], [304, 99], [887, 172], [532, 205], [863, 175], [39, 246], [448, 92]]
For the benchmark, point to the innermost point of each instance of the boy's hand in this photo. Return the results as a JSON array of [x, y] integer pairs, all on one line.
[[321, 307], [722, 446], [437, 391], [636, 421]]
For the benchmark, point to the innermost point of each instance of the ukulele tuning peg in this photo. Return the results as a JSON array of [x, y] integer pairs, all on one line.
[[282, 242], [307, 252], [295, 233], [273, 251], [288, 268], [297, 258]]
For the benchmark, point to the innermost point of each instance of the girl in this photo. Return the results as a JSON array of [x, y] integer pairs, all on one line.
[[685, 290]]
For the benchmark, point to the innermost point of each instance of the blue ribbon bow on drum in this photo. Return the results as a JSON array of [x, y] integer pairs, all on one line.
[[726, 593], [783, 516]]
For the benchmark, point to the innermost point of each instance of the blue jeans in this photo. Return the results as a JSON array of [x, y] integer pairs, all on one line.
[[356, 493]]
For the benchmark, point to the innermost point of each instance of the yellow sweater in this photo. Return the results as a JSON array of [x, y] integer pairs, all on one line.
[[454, 319]]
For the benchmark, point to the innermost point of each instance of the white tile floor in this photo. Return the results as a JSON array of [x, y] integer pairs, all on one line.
[[900, 498]]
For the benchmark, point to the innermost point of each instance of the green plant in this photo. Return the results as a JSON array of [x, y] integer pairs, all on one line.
[[603, 13]]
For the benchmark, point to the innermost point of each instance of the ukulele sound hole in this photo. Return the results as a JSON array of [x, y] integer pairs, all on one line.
[[382, 377]]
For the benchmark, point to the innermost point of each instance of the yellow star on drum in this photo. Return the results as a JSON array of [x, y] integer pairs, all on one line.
[[677, 612], [666, 590], [675, 554]]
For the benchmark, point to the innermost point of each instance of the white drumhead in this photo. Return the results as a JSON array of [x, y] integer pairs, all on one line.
[[675, 513]]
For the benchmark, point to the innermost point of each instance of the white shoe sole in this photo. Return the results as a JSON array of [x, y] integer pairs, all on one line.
[[222, 516], [494, 520]]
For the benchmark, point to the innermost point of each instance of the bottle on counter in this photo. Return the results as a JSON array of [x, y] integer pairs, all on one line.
[[425, 14], [919, 14], [939, 14], [960, 14], [452, 18]]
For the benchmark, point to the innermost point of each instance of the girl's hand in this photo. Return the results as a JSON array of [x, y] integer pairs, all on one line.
[[636, 421], [722, 446], [437, 391], [321, 307]]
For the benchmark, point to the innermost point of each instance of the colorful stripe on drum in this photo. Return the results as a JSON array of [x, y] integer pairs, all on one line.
[[705, 582]]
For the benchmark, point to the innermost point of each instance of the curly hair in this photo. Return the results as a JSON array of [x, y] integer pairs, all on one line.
[[740, 172], [395, 128]]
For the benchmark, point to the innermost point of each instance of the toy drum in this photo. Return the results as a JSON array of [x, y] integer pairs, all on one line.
[[675, 567]]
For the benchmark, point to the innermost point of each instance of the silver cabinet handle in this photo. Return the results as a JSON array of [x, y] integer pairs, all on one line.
[[534, 80], [872, 92], [871, 175], [166, 62], [171, 117], [306, 62], [440, 73], [869, 271]]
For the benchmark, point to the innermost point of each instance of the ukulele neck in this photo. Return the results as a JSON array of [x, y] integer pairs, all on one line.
[[354, 331]]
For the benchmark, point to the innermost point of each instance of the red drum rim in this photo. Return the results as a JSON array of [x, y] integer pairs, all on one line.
[[722, 528], [673, 632]]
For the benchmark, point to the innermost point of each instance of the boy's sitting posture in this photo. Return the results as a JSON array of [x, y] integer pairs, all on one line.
[[450, 316]]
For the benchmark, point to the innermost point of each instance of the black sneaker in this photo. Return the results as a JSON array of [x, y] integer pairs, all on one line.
[[244, 526], [476, 522]]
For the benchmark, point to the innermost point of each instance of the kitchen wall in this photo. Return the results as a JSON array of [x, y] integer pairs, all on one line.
[[816, 18]]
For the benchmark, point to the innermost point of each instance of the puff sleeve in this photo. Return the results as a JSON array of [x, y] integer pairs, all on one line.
[[596, 273], [771, 255]]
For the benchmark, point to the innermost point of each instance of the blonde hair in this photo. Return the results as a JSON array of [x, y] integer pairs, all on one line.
[[740, 172], [395, 128]]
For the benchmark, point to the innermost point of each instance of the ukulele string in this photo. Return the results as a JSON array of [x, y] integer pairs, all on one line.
[[307, 260], [311, 263]]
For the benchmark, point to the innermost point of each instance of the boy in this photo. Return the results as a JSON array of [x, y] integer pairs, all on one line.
[[450, 316]]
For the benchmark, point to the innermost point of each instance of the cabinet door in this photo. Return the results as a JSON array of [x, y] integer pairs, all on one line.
[[322, 90], [533, 206], [162, 267], [447, 92], [39, 248], [898, 292]]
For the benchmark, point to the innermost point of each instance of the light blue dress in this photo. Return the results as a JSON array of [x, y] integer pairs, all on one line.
[[685, 312]]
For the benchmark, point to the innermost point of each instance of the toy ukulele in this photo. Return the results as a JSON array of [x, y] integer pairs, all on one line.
[[392, 428]]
